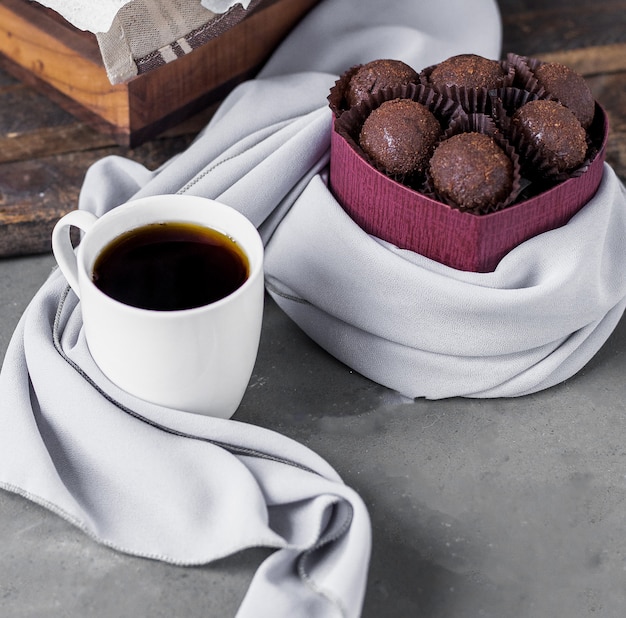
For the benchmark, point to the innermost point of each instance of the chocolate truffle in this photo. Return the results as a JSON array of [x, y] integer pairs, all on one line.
[[399, 136], [569, 87], [467, 71], [472, 171], [377, 75], [553, 132]]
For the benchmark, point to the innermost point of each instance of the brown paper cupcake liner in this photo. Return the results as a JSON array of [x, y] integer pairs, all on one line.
[[472, 100], [479, 123], [524, 76], [534, 164], [349, 124], [337, 97], [506, 101], [526, 72]]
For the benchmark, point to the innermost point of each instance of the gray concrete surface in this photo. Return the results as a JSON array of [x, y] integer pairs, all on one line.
[[494, 508]]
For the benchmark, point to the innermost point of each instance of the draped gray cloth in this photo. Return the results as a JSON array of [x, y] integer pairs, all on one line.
[[402, 320], [75, 443]]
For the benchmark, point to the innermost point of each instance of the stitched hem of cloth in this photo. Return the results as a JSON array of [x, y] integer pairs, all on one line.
[[303, 572], [71, 519], [272, 289], [231, 448], [323, 541]]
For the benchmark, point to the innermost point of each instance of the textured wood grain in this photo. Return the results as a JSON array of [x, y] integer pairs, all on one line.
[[537, 27], [35, 193], [39, 47], [610, 89], [68, 68], [589, 61]]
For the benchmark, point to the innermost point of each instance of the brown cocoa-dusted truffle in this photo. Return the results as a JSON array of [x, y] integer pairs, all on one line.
[[553, 132], [399, 136], [569, 87], [377, 75], [467, 71], [472, 171]]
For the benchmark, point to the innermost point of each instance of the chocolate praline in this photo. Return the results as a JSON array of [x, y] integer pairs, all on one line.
[[399, 136], [472, 171], [377, 75], [467, 71], [570, 88], [553, 132]]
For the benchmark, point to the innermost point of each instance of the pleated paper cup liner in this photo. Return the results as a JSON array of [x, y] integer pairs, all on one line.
[[479, 123], [524, 76], [337, 100], [534, 165], [506, 101], [472, 100]]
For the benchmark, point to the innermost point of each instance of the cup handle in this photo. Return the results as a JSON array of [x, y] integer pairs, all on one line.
[[62, 245]]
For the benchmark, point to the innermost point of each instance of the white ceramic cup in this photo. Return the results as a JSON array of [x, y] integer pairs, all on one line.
[[198, 360]]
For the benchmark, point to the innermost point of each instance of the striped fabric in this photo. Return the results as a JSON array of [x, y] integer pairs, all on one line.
[[146, 34], [196, 37]]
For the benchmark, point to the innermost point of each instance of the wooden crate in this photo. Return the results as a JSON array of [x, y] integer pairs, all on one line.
[[40, 48]]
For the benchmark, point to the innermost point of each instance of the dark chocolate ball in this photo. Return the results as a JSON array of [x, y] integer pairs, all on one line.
[[554, 133], [399, 136], [377, 75], [468, 71], [570, 88], [472, 171]]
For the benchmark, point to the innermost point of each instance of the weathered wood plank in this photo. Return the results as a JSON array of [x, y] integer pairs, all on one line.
[[44, 155], [24, 110], [35, 193], [39, 47], [610, 91], [47, 141], [600, 60], [535, 27], [71, 137]]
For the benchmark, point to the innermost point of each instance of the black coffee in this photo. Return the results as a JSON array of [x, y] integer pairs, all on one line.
[[170, 266]]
